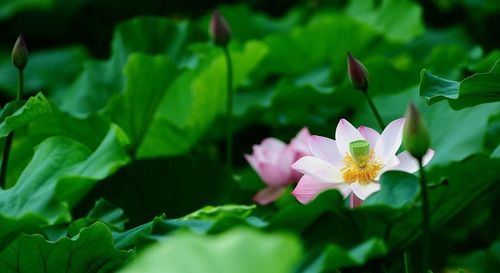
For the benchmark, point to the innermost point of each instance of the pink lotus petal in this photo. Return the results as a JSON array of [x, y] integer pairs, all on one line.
[[268, 195], [409, 164], [271, 148], [274, 176], [308, 188], [390, 140], [344, 135], [273, 144], [252, 161], [325, 149], [258, 153], [286, 158], [389, 165], [363, 191], [354, 201], [318, 169], [300, 143], [370, 135]]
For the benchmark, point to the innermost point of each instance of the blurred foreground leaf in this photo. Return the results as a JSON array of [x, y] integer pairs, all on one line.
[[335, 257], [241, 250]]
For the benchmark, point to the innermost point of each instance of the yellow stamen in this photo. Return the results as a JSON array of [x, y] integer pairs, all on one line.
[[364, 170]]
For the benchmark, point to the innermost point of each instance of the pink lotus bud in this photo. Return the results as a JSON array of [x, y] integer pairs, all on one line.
[[358, 75], [219, 29], [300, 143], [272, 160], [415, 134], [20, 53]]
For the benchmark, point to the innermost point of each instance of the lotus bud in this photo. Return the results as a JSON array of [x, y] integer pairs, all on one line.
[[20, 53], [415, 134], [219, 29], [358, 75]]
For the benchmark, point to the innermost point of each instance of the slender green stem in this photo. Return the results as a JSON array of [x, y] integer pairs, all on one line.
[[229, 110], [407, 260], [20, 84], [375, 111], [10, 136], [425, 218]]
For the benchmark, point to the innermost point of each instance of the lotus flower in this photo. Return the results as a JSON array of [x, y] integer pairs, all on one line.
[[353, 162], [272, 159]]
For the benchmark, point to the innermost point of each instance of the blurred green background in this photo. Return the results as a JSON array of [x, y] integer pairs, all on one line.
[[103, 62]]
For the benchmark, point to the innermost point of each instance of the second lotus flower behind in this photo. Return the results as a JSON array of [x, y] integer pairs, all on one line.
[[353, 162], [272, 159]]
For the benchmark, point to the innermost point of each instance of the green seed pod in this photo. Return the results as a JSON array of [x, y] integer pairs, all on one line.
[[360, 151], [416, 137], [20, 53]]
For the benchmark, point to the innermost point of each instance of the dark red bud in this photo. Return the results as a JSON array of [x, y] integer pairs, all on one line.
[[219, 29], [20, 53], [358, 75]]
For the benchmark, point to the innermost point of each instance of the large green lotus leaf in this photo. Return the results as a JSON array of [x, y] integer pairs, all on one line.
[[216, 213], [386, 17], [107, 213], [485, 63], [103, 211], [319, 91], [92, 89], [241, 250], [207, 220], [100, 80], [311, 100], [461, 183], [212, 219], [479, 260], [48, 70], [137, 236], [306, 47], [492, 139], [326, 219], [89, 131], [297, 217], [398, 189], [147, 81], [476, 89], [335, 257], [90, 251], [496, 152], [9, 8], [152, 35], [194, 100], [48, 189], [455, 134], [32, 109]]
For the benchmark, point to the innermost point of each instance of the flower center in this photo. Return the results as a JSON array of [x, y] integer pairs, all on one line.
[[361, 165]]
